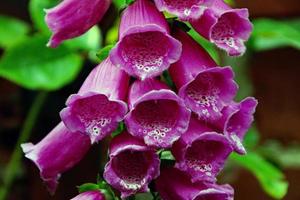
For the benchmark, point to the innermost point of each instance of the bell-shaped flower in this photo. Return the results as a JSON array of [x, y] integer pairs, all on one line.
[[237, 119], [72, 18], [185, 10], [201, 152], [174, 184], [90, 195], [145, 48], [205, 88], [132, 165], [98, 107], [157, 115], [59, 151], [226, 27]]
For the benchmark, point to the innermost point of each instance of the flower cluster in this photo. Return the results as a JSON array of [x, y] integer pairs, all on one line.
[[199, 122]]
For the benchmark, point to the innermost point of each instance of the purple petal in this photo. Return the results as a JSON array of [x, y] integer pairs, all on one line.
[[90, 195], [226, 27], [132, 165], [58, 152], [159, 117], [201, 152], [72, 18], [145, 48], [237, 119], [173, 184], [98, 107], [185, 10], [205, 88]]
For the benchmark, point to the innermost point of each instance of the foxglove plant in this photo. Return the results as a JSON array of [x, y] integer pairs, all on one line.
[[185, 10], [174, 184], [72, 18], [201, 152], [58, 152], [201, 124], [90, 195], [226, 27], [132, 165], [99, 105], [205, 88], [157, 115], [145, 48]]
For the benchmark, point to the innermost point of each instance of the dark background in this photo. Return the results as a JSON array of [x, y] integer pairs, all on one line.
[[275, 75]]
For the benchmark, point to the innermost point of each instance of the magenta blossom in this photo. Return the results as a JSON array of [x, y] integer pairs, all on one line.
[[205, 88], [90, 195], [226, 27], [145, 48], [173, 184], [237, 119], [59, 151], [185, 10], [201, 152], [132, 165], [72, 18], [98, 107], [157, 114]]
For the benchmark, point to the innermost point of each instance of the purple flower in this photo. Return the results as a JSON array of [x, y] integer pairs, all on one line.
[[157, 114], [173, 184], [145, 48], [185, 10], [90, 195], [59, 151], [72, 18], [201, 152], [205, 88], [132, 165], [237, 119], [226, 27], [98, 106]]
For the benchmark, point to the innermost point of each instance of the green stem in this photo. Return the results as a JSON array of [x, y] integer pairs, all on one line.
[[14, 163]]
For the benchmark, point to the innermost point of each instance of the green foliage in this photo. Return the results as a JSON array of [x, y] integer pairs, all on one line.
[[37, 13], [119, 130], [270, 178], [286, 157], [87, 187], [104, 52], [12, 31], [270, 34], [34, 66]]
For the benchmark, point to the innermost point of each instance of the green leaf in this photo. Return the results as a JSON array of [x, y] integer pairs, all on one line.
[[104, 52], [286, 157], [90, 41], [166, 155], [87, 187], [270, 34], [251, 138], [112, 33], [12, 31], [34, 66], [37, 13], [270, 178], [119, 129]]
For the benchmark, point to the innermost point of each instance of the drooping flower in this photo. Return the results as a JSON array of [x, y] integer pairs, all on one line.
[[132, 165], [205, 88], [98, 107], [90, 195], [157, 114], [226, 27], [72, 18], [237, 119], [145, 48], [174, 184], [59, 151], [185, 10], [201, 152]]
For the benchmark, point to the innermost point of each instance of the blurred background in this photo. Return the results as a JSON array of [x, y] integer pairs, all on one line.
[[35, 82]]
